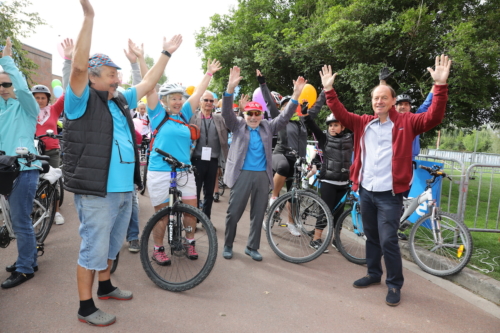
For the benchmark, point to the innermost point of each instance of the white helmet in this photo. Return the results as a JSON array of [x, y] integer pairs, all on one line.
[[170, 88]]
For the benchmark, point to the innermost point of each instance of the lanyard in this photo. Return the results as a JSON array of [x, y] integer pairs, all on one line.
[[206, 129]]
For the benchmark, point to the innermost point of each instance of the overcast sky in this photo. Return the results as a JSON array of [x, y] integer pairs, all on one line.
[[144, 21]]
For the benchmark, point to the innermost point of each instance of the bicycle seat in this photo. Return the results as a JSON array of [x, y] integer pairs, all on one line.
[[45, 166]]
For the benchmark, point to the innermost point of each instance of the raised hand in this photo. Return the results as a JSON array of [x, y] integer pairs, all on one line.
[[68, 47], [173, 44], [134, 52], [327, 78], [442, 69], [7, 51], [88, 10], [384, 74], [244, 99], [213, 66], [260, 77], [234, 79], [298, 85]]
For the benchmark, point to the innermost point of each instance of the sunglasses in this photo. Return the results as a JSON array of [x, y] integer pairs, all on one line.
[[254, 113], [208, 100], [6, 84]]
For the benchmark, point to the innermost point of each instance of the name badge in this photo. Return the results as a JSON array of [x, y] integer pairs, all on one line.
[[206, 153]]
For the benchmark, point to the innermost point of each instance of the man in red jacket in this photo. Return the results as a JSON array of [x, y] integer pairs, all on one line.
[[382, 166]]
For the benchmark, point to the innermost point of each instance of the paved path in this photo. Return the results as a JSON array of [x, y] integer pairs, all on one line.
[[240, 295]]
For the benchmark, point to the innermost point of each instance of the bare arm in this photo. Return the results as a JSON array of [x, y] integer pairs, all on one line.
[[79, 78]]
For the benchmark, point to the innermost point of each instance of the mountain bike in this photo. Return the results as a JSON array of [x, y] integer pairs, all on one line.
[[183, 273], [305, 210]]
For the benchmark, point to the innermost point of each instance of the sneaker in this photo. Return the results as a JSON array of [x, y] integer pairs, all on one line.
[[134, 246], [271, 201], [161, 257], [16, 278], [393, 297], [216, 197], [316, 244], [334, 245], [191, 251], [365, 282], [293, 230], [59, 219]]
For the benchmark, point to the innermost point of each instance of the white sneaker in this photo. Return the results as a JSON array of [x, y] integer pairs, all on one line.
[[293, 230], [59, 219], [271, 201]]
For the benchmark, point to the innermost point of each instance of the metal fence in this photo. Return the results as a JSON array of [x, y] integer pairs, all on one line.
[[464, 157]]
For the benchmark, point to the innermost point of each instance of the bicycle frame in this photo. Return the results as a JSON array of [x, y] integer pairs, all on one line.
[[7, 222]]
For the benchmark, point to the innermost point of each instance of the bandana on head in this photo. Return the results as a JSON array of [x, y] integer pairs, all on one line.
[[99, 59]]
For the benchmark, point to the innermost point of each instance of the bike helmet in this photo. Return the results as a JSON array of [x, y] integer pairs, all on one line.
[[277, 97], [403, 98], [285, 100], [39, 88], [170, 88], [330, 119]]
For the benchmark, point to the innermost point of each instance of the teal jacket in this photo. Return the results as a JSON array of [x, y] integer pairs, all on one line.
[[18, 116]]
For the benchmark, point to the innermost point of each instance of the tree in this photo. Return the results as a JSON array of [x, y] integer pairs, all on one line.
[[287, 38], [17, 22]]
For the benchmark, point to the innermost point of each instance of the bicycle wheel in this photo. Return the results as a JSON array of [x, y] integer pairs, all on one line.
[[115, 264], [44, 210], [302, 209], [350, 238], [60, 191], [183, 273], [441, 258]]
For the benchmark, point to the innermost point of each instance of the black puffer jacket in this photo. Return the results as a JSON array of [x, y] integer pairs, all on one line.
[[88, 146]]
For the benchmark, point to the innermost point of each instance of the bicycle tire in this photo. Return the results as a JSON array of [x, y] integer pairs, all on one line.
[[183, 273], [114, 265], [44, 210], [444, 259], [305, 208], [350, 242], [60, 191]]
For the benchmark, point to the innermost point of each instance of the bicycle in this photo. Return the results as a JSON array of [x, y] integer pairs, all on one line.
[[183, 273], [305, 209], [439, 242], [40, 212]]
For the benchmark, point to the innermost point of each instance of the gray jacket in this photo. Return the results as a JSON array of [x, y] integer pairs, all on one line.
[[241, 138], [221, 130]]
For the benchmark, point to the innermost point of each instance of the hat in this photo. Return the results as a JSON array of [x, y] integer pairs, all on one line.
[[100, 59], [253, 106]]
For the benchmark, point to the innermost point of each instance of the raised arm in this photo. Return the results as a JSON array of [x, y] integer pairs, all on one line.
[[68, 48], [212, 67], [79, 77], [135, 55], [316, 108], [280, 122], [153, 75], [271, 105]]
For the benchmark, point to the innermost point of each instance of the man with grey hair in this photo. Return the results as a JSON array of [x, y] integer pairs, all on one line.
[[101, 162]]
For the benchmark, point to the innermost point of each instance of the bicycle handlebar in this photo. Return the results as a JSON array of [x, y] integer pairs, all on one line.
[[435, 172], [173, 161]]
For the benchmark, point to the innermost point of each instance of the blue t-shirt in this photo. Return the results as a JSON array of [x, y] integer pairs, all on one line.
[[121, 168], [173, 138], [255, 159]]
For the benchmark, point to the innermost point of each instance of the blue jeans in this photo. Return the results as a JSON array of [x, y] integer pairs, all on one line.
[[103, 226], [381, 212], [133, 227], [21, 206]]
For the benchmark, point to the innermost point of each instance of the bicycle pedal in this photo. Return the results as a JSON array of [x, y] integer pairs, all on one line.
[[283, 225], [40, 248]]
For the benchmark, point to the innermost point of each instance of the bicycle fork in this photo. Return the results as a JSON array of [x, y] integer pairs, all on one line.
[[436, 226]]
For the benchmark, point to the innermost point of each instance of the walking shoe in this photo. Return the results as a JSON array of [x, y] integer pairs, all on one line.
[[293, 230], [98, 318], [365, 282], [190, 251], [16, 279], [228, 252], [254, 254], [134, 246], [121, 295], [334, 245], [13, 267], [58, 218], [316, 244], [216, 197], [161, 257], [402, 236], [393, 297]]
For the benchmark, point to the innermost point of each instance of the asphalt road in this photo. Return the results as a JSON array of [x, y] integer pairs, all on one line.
[[240, 295]]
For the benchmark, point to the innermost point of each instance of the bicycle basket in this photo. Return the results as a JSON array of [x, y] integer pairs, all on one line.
[[9, 170]]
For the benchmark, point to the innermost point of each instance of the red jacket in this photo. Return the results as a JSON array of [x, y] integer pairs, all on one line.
[[406, 127], [55, 111]]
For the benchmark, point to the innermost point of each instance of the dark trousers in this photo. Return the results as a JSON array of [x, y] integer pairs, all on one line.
[[206, 173], [332, 194], [380, 212]]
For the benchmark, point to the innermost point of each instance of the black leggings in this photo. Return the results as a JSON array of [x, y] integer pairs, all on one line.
[[331, 194]]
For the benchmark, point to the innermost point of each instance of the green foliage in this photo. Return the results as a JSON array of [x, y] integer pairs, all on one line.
[[17, 22], [287, 38]]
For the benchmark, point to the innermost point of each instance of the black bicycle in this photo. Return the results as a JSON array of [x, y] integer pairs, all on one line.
[[183, 272]]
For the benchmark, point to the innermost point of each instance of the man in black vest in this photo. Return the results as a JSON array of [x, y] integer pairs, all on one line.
[[101, 162]]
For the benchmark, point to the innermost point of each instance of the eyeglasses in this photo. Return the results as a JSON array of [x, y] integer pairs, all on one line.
[[6, 84], [254, 113], [208, 100]]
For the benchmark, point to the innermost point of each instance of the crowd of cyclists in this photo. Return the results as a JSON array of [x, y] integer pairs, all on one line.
[[373, 152]]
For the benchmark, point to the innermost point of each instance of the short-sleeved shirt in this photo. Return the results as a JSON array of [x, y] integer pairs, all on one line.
[[121, 168], [173, 138]]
